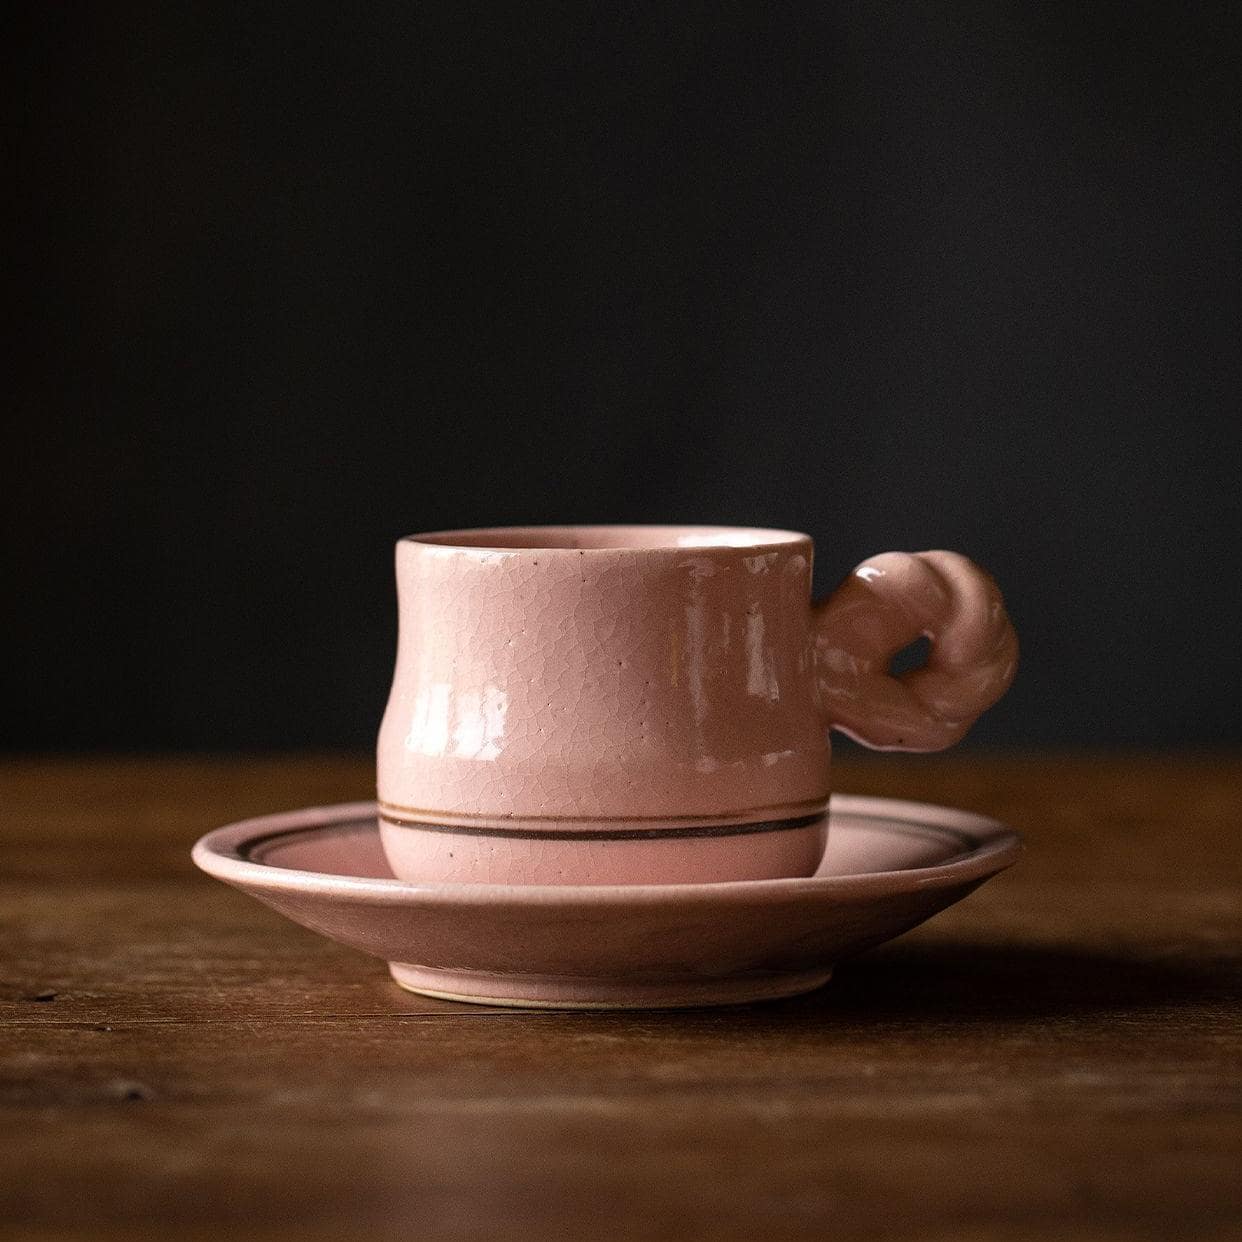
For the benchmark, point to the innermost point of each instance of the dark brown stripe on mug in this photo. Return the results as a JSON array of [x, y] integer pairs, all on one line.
[[604, 834], [786, 810]]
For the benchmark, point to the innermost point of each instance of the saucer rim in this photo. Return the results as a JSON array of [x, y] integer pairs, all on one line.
[[990, 847]]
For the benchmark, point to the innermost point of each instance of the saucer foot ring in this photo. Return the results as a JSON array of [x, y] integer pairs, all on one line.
[[561, 992]]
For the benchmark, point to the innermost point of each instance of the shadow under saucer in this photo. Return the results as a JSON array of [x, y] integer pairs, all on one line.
[[956, 982]]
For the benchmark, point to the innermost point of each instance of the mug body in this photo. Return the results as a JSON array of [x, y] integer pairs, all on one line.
[[604, 705]]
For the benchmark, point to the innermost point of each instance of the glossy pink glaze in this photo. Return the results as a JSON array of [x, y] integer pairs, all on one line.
[[884, 605], [569, 682], [888, 866]]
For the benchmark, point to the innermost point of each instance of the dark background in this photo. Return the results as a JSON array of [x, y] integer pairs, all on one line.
[[293, 281]]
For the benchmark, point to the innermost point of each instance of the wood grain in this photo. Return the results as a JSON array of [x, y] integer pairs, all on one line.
[[1058, 1057]]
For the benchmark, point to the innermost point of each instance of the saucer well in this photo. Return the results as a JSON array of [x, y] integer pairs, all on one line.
[[888, 866]]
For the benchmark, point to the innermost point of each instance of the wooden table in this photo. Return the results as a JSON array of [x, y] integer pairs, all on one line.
[[1058, 1057]]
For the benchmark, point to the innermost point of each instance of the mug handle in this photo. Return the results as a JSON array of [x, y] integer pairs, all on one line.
[[887, 603]]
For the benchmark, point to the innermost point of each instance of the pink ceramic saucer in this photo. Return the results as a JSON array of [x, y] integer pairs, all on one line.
[[888, 866]]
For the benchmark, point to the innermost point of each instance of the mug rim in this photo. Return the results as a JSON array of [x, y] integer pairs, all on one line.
[[612, 538]]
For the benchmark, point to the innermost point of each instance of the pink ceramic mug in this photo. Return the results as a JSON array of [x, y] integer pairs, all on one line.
[[651, 704]]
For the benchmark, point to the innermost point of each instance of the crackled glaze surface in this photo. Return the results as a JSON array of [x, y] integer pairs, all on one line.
[[604, 682], [555, 683]]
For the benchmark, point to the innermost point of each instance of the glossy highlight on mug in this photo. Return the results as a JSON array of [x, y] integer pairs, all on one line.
[[653, 674]]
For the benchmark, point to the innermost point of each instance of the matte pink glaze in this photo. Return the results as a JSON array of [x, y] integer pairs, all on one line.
[[596, 859], [888, 866], [562, 694]]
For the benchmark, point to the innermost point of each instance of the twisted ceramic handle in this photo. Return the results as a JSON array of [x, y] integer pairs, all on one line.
[[887, 603]]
